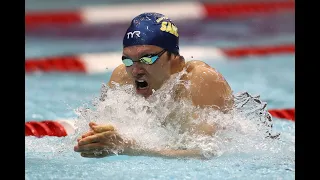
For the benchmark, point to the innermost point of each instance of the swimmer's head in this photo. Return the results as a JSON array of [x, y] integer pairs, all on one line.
[[152, 29], [151, 51]]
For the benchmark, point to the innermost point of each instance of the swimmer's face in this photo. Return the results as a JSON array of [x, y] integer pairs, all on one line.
[[147, 77]]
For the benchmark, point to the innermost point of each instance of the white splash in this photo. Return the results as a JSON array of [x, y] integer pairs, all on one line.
[[159, 122]]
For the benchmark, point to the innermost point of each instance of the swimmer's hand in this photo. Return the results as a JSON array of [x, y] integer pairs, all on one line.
[[94, 128], [100, 141]]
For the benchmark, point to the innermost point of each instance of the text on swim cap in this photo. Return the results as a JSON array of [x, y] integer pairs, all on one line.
[[160, 19], [131, 34], [170, 28]]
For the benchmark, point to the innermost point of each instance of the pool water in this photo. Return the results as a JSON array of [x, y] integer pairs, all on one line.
[[55, 96], [58, 95]]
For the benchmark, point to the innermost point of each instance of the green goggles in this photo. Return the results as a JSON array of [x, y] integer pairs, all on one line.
[[147, 59]]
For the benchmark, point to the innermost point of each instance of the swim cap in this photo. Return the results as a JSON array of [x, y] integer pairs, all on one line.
[[152, 29]]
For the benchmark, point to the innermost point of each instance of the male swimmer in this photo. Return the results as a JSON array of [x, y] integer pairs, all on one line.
[[150, 57]]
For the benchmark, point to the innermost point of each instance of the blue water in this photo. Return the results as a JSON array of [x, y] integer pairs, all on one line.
[[57, 95]]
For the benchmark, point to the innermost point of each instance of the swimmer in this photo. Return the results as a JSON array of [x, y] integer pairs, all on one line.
[[150, 57]]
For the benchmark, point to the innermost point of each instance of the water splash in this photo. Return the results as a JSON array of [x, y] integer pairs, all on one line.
[[160, 122]]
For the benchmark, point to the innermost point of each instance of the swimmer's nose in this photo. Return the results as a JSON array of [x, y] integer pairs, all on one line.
[[136, 69]]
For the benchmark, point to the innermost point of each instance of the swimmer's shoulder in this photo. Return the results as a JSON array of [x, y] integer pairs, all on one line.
[[120, 76], [215, 90], [196, 67]]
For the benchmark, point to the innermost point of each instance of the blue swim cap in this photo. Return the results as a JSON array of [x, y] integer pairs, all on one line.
[[152, 29]]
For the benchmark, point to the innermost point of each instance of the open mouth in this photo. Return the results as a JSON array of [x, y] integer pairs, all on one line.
[[141, 84]]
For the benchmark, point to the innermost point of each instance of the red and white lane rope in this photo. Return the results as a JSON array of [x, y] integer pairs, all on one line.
[[103, 62], [288, 114], [121, 13]]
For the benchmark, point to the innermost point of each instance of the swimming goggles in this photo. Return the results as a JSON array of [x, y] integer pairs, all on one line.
[[148, 59]]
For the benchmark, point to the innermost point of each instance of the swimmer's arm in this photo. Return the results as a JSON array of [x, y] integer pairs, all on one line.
[[119, 76], [209, 89], [100, 135], [167, 153]]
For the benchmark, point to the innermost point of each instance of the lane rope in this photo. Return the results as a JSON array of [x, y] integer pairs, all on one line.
[[101, 62], [174, 10]]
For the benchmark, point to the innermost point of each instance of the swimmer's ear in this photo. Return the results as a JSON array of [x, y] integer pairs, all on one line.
[[176, 57], [179, 58], [177, 63]]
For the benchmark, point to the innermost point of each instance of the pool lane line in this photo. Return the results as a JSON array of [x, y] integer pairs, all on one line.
[[175, 10], [104, 62]]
